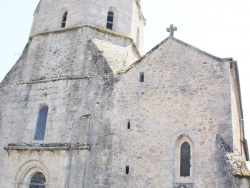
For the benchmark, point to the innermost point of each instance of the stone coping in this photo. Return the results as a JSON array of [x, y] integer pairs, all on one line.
[[43, 79], [49, 146], [98, 29]]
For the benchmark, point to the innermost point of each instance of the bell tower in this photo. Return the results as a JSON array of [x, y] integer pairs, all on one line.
[[64, 87], [114, 17]]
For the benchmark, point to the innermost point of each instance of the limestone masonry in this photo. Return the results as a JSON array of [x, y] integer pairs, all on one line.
[[82, 109]]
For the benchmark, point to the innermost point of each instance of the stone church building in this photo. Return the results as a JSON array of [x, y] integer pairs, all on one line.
[[82, 108]]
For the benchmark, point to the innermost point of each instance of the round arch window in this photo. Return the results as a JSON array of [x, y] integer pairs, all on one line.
[[38, 181]]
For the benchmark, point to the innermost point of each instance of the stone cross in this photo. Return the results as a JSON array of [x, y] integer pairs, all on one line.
[[171, 29]]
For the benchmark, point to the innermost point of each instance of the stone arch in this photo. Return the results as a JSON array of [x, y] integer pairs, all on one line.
[[27, 170], [41, 104], [181, 139]]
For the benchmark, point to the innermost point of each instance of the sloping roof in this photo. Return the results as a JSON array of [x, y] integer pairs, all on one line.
[[37, 7], [182, 43], [115, 55], [187, 45]]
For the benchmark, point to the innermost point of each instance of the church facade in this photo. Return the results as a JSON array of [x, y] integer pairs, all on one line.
[[83, 108]]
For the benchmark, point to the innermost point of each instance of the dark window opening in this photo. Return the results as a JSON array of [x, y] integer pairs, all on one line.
[[37, 181], [128, 125], [64, 19], [110, 20], [127, 169], [142, 77], [185, 160], [41, 123]]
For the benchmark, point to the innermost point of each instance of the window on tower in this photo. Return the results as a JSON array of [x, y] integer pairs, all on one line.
[[64, 19], [110, 20], [41, 123]]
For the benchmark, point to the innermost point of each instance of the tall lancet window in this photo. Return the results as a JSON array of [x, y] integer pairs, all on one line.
[[41, 123], [64, 19], [110, 20], [185, 160], [37, 181]]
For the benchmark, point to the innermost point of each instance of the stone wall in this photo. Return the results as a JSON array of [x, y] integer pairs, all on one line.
[[75, 81], [61, 168], [185, 94], [237, 114]]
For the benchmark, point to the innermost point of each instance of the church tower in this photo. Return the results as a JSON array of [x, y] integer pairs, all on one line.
[[62, 88], [123, 20]]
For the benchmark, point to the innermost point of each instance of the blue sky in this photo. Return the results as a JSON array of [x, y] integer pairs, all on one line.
[[219, 27]]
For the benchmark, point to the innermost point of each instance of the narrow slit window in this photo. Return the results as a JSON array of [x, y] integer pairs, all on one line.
[[41, 123], [127, 169], [110, 20], [142, 77], [128, 125], [185, 160], [64, 19], [37, 181]]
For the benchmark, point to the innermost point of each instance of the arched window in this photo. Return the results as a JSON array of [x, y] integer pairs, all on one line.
[[64, 19], [41, 123], [185, 160], [37, 181], [110, 20]]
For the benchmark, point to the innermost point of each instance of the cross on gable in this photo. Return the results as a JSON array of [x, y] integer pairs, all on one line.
[[171, 29]]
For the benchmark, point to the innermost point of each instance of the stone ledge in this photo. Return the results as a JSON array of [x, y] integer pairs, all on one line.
[[48, 147], [99, 29], [238, 165], [183, 185], [43, 80]]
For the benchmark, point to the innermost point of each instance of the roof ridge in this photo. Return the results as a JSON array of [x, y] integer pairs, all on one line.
[[180, 42]]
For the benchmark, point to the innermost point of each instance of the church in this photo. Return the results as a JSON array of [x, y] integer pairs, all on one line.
[[82, 108]]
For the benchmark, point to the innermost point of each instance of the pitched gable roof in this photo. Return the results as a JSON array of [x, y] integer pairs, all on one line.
[[187, 45], [115, 55], [182, 43]]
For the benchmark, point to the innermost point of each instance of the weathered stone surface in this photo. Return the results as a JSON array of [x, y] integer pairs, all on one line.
[[89, 78], [238, 165], [50, 146]]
